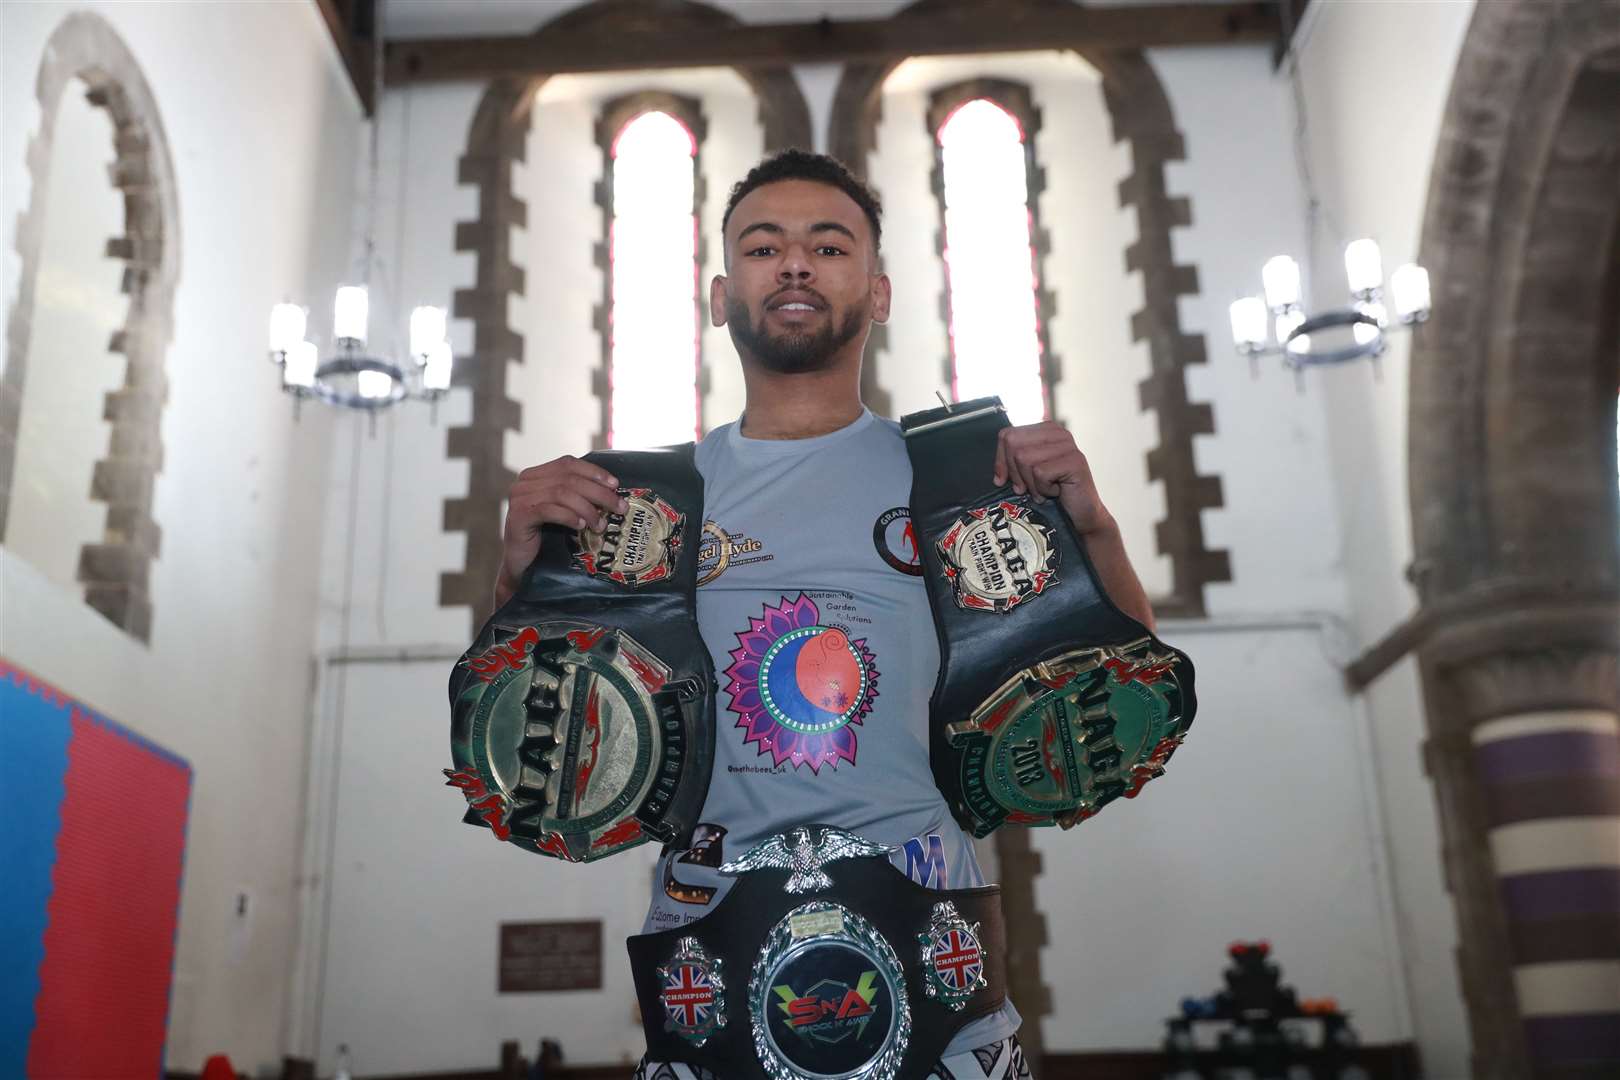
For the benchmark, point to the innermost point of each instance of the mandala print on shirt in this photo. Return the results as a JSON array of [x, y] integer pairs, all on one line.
[[797, 686]]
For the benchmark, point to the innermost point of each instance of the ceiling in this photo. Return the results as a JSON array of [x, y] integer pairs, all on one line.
[[478, 18]]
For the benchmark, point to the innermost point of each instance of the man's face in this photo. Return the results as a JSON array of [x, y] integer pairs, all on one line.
[[801, 278]]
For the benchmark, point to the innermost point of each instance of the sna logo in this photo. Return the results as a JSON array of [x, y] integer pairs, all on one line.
[[830, 1011]]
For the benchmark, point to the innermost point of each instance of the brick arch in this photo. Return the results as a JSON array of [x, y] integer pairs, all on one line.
[[1516, 527], [495, 142], [116, 571], [615, 115], [1140, 113]]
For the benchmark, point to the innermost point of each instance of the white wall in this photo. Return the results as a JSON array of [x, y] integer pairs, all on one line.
[[264, 202], [1375, 79]]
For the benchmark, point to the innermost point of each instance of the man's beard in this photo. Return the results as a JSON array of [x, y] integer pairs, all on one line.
[[792, 353]]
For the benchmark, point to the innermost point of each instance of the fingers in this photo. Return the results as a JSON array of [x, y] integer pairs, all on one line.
[[594, 483], [570, 508], [1022, 451]]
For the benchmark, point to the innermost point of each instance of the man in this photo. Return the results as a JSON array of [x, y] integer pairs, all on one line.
[[817, 621]]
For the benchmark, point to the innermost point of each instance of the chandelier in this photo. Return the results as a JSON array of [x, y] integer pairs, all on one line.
[[1307, 341], [353, 376]]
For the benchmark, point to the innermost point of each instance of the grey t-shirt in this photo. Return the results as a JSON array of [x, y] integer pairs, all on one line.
[[811, 601]]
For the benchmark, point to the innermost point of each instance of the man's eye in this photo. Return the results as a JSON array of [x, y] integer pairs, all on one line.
[[830, 249], [760, 251]]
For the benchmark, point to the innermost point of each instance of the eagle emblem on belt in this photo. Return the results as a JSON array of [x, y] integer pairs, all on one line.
[[804, 854]]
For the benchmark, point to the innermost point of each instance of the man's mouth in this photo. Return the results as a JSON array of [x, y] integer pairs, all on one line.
[[795, 300]]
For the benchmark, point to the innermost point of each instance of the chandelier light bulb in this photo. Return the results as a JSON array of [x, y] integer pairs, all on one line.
[[436, 371], [374, 385], [299, 370], [1363, 333], [286, 327], [1281, 278], [1409, 288], [1363, 266], [349, 314], [1248, 322], [427, 329]]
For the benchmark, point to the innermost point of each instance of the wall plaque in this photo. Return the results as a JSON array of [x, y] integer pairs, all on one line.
[[539, 956]]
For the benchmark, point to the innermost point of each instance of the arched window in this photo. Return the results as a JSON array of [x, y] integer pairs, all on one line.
[[983, 179], [652, 361]]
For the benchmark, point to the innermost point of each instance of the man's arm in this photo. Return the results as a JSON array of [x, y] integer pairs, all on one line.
[[1043, 459]]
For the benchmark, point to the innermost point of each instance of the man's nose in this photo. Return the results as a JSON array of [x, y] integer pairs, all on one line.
[[795, 266]]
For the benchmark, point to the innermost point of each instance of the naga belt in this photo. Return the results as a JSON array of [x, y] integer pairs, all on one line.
[[582, 718], [1051, 702], [822, 961]]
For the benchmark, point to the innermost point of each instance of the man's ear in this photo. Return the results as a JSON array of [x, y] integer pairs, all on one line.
[[717, 300], [882, 296]]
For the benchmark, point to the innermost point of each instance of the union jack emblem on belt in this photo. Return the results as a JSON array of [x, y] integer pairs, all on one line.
[[952, 958], [693, 992]]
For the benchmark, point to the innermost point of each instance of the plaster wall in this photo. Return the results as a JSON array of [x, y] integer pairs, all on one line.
[[1375, 80], [226, 679]]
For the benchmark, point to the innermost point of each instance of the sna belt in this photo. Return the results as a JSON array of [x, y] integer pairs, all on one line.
[[582, 717], [1050, 702], [823, 961]]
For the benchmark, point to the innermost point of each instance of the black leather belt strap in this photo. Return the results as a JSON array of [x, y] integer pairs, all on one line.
[[1032, 650], [583, 714], [747, 990]]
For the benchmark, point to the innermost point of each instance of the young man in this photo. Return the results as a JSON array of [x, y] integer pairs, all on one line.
[[812, 604]]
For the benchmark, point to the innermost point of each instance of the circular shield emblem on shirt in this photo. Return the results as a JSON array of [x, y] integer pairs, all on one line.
[[896, 540], [1060, 740], [827, 998], [637, 547], [998, 556], [560, 740]]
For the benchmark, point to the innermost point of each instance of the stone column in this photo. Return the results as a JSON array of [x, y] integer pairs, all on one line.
[[1524, 750]]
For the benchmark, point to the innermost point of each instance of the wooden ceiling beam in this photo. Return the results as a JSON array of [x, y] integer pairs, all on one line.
[[991, 28], [352, 24]]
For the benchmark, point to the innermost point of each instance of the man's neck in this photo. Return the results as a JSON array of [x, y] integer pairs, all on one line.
[[799, 406]]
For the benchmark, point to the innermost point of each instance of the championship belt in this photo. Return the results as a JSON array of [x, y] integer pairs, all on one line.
[[824, 961], [1051, 702], [582, 718]]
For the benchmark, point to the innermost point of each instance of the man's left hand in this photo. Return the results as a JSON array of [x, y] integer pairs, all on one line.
[[1043, 459]]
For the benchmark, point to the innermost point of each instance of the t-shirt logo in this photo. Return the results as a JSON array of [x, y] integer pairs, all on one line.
[[896, 540], [925, 860], [721, 550], [798, 687]]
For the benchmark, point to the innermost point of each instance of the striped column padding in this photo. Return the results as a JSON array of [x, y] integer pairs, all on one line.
[[1551, 782]]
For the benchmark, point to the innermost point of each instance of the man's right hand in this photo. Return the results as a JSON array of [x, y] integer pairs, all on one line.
[[568, 492]]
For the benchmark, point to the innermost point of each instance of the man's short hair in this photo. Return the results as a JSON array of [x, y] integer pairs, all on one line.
[[794, 164]]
